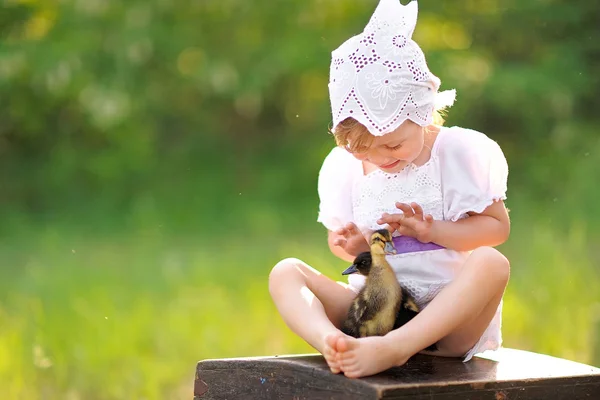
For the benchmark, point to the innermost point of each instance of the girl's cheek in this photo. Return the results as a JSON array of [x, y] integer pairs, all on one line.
[[412, 152], [360, 156], [403, 154]]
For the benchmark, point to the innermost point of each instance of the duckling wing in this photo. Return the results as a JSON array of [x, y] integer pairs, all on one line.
[[357, 314], [403, 316], [408, 309], [409, 303], [351, 325], [350, 328], [359, 309]]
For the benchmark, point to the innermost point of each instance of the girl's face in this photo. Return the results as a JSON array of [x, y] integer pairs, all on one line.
[[395, 150]]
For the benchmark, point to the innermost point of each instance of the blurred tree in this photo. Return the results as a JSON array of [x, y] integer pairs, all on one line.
[[107, 103]]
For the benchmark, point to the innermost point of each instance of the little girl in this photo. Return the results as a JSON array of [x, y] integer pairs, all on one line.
[[439, 190]]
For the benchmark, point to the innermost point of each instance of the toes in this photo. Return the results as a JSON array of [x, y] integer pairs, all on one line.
[[342, 344], [352, 374], [333, 366], [348, 357], [331, 341], [331, 356], [347, 343], [338, 360], [348, 363], [332, 363], [351, 370]]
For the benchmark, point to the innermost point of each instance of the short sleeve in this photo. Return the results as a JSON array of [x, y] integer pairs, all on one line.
[[474, 172], [335, 189]]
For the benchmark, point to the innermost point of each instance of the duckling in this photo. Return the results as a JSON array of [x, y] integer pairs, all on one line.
[[373, 311], [407, 309]]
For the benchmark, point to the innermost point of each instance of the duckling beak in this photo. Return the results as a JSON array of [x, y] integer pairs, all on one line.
[[350, 270], [389, 248]]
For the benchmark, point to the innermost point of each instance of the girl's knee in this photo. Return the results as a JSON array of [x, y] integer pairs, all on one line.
[[286, 265], [495, 263], [285, 269]]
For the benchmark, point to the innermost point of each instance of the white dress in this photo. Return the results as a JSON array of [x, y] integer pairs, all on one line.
[[467, 172]]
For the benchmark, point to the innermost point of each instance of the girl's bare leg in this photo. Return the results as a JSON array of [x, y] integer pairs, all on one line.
[[456, 319], [312, 305]]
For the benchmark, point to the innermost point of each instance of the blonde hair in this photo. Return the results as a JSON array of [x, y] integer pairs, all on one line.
[[354, 136]]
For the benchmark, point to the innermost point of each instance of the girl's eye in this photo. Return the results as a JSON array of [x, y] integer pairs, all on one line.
[[394, 147]]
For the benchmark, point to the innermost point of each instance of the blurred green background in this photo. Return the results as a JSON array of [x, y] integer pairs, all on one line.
[[158, 157]]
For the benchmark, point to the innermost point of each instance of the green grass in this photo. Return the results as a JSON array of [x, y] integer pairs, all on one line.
[[128, 316]]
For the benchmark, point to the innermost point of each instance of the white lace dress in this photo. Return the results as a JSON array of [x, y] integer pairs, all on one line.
[[467, 172]]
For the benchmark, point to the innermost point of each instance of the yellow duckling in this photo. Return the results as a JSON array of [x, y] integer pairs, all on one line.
[[373, 311], [378, 296]]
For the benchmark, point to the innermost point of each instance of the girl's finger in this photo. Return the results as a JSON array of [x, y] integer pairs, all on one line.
[[406, 209], [351, 228], [409, 223], [406, 231], [418, 210], [390, 219], [383, 219], [429, 218], [392, 227], [340, 242]]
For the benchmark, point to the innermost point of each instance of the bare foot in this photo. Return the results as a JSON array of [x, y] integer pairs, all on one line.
[[330, 351], [367, 356]]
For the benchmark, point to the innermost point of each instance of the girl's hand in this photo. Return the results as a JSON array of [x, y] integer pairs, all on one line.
[[351, 240], [411, 222]]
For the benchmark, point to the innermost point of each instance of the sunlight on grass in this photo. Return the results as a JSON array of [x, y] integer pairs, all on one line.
[[90, 318], [552, 300], [117, 320]]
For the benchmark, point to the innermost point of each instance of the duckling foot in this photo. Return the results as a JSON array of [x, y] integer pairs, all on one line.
[[367, 356], [330, 352]]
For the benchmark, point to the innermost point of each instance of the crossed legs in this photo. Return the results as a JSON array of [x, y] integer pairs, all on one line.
[[313, 306]]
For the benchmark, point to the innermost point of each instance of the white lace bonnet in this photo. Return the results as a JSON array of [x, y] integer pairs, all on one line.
[[380, 77]]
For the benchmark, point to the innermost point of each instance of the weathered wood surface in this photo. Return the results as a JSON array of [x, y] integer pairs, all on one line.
[[507, 374]]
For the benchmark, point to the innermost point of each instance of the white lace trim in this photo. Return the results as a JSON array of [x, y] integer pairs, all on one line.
[[422, 293], [378, 192], [380, 77]]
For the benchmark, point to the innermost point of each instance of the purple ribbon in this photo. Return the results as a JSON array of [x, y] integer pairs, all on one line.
[[407, 244]]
